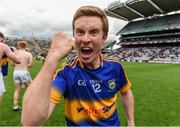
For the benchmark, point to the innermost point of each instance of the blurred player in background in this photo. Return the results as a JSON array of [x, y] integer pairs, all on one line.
[[5, 50], [21, 74]]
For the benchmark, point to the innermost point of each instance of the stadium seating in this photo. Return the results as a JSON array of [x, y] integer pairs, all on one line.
[[152, 24]]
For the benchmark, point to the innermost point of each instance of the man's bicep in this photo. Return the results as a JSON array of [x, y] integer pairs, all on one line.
[[125, 87], [8, 51], [125, 83]]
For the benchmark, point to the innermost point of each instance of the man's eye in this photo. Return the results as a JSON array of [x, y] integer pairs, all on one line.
[[79, 33], [93, 32]]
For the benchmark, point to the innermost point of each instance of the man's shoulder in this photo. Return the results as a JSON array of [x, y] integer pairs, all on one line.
[[70, 65], [114, 62], [111, 59], [2, 45], [29, 53], [25, 52]]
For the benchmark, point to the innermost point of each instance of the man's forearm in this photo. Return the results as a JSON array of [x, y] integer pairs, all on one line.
[[36, 99], [128, 102]]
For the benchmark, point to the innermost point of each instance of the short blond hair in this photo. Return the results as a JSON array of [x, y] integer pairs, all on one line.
[[92, 11], [22, 44]]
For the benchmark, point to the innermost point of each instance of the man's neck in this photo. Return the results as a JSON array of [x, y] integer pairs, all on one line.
[[22, 49]]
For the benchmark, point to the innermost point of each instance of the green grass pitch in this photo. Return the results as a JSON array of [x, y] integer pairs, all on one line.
[[156, 89]]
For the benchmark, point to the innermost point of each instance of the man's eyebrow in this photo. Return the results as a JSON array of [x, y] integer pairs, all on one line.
[[79, 29], [94, 29]]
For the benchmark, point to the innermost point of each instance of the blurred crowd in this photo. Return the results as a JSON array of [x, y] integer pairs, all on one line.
[[37, 46], [165, 54]]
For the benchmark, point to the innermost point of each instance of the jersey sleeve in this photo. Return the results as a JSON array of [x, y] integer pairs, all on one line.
[[58, 87], [125, 83]]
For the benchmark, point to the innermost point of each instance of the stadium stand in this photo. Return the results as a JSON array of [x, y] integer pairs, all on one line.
[[37, 46], [152, 33]]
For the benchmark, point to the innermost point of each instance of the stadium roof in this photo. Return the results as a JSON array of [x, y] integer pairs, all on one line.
[[134, 9]]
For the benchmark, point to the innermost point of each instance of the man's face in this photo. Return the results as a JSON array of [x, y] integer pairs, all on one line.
[[89, 39]]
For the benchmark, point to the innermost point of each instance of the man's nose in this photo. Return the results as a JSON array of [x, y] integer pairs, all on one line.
[[86, 38]]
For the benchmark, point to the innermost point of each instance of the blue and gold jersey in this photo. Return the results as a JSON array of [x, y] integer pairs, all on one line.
[[4, 65], [90, 95]]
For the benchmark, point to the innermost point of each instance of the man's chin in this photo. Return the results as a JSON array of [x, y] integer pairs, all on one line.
[[86, 61]]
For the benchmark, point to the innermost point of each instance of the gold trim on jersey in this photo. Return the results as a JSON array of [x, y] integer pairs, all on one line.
[[71, 64], [86, 110], [55, 96], [126, 87]]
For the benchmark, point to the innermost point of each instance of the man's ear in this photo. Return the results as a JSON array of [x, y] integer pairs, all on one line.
[[104, 39]]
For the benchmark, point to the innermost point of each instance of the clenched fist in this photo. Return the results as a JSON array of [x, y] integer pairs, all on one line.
[[61, 46]]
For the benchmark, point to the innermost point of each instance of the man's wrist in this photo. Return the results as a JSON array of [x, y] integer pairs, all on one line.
[[131, 123]]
